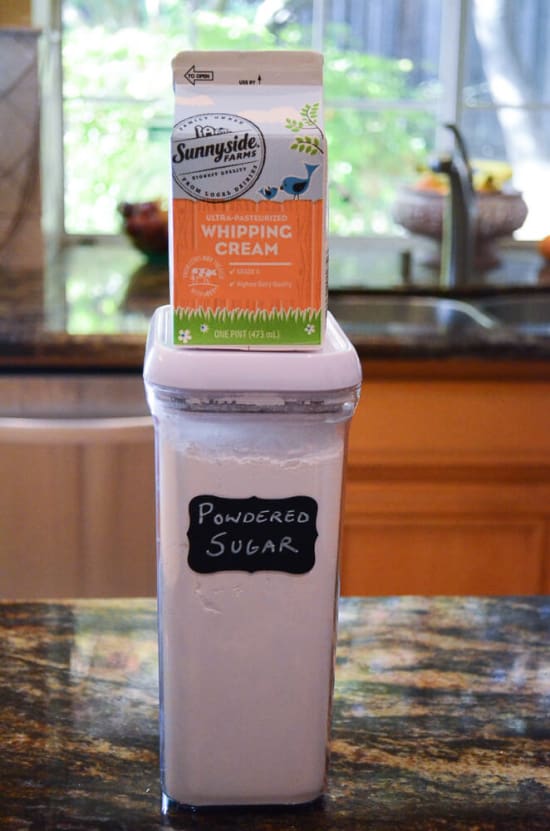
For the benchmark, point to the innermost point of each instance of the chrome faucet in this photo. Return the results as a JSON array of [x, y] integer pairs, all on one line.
[[459, 215]]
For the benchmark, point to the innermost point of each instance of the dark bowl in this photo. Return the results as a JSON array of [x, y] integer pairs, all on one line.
[[146, 225]]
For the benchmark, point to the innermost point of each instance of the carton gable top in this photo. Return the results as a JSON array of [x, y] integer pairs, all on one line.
[[284, 66]]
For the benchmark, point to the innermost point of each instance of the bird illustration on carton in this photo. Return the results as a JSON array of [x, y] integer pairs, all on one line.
[[311, 144], [296, 186]]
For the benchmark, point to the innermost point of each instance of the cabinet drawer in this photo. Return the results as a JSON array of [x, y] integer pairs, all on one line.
[[442, 556]]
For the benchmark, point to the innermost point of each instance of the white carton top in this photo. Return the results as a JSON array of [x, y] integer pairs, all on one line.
[[334, 367], [290, 66]]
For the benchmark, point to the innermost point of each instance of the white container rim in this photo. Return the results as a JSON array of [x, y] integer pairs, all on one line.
[[335, 367]]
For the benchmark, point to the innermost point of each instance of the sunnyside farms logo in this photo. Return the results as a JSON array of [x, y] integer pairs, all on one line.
[[217, 157]]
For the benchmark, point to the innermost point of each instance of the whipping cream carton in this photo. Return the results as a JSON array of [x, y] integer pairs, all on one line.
[[248, 207]]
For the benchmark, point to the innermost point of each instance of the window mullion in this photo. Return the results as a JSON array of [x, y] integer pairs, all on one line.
[[46, 14], [454, 27], [318, 25]]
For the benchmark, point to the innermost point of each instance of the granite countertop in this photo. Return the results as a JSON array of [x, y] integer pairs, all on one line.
[[91, 307], [441, 719]]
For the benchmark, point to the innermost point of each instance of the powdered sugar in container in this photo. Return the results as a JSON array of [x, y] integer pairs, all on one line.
[[250, 451]]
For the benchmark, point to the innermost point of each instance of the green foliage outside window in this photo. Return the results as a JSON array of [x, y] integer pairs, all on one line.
[[118, 100]]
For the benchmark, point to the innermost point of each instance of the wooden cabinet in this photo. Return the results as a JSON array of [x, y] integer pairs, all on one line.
[[77, 506], [448, 486]]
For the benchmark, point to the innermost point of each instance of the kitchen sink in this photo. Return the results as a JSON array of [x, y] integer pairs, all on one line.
[[528, 314], [408, 316]]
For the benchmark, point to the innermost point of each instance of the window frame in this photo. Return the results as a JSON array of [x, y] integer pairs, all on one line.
[[449, 107]]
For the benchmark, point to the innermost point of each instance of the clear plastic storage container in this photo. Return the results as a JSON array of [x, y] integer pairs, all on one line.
[[250, 450]]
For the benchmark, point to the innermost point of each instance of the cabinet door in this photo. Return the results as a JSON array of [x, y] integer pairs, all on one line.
[[77, 506], [118, 517], [445, 538], [39, 520], [448, 487], [458, 557]]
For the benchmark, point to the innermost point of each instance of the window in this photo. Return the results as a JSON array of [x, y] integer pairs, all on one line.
[[506, 96], [394, 71]]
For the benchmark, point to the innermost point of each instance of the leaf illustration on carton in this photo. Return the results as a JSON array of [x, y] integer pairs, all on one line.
[[304, 143]]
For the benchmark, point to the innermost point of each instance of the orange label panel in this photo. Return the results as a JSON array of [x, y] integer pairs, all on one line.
[[248, 255]]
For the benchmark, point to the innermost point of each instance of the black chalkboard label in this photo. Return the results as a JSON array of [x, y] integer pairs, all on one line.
[[252, 534]]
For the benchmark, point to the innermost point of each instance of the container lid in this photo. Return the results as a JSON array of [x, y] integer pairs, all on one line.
[[334, 367]]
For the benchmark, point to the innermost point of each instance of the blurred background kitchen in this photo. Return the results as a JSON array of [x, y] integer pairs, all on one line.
[[448, 483]]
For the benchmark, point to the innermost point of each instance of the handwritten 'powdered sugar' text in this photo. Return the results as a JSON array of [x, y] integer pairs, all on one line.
[[252, 534]]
